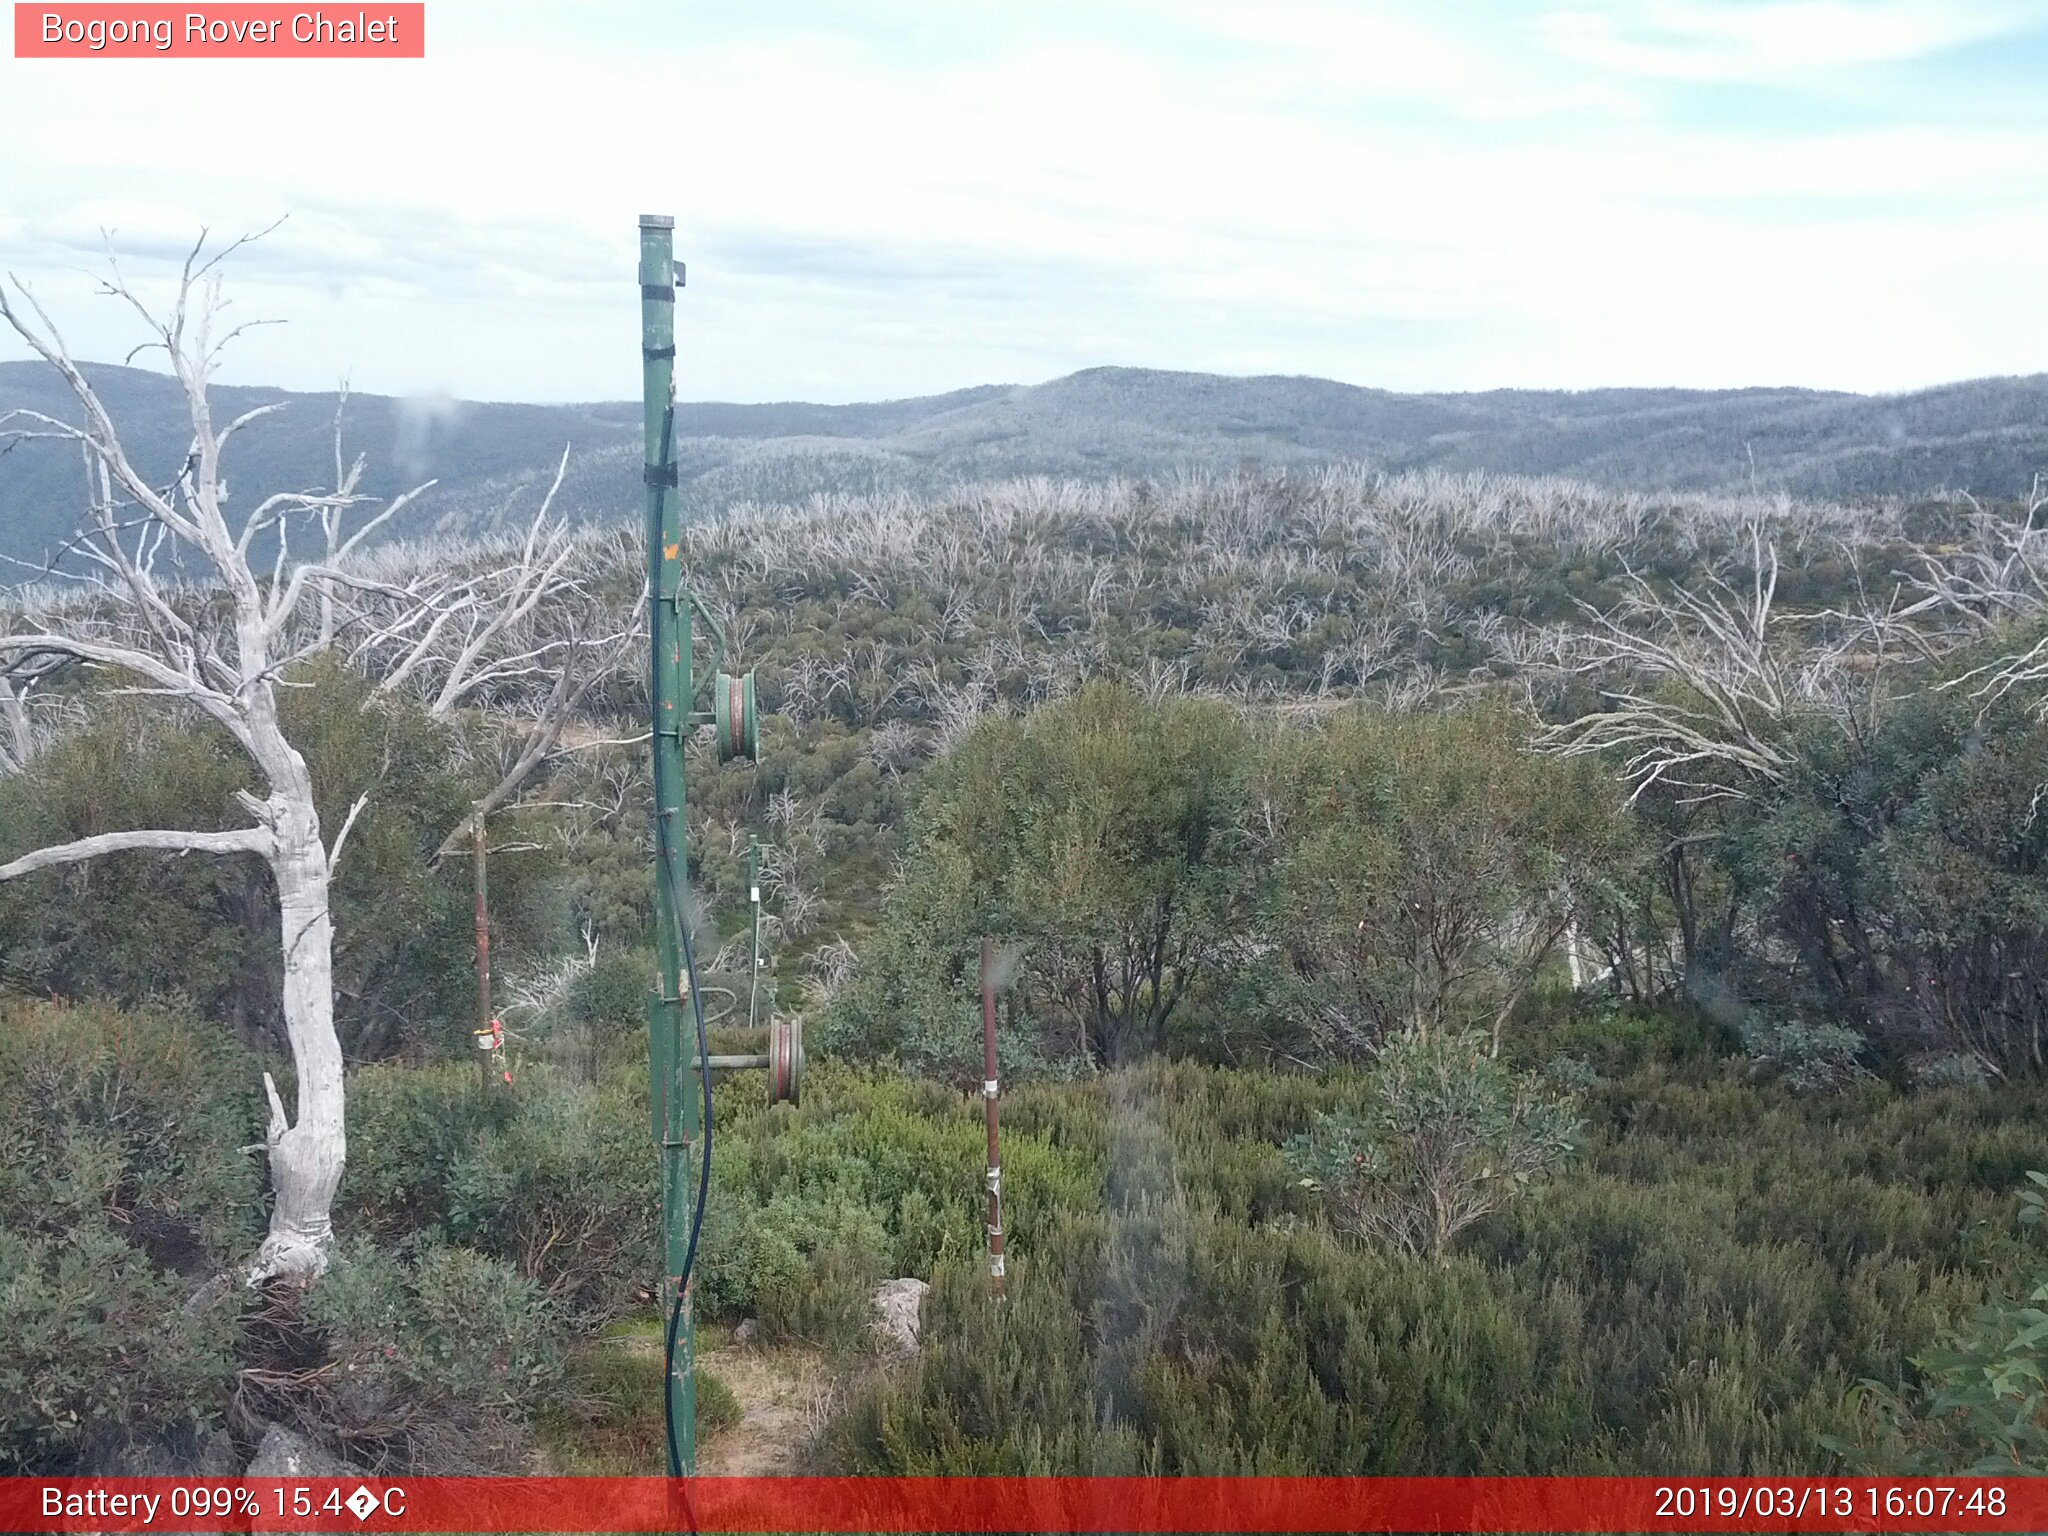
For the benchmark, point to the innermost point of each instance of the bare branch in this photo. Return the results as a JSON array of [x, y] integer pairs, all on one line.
[[244, 840]]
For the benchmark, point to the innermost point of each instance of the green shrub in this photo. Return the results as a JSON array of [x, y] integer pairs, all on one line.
[[1981, 1404], [1444, 1135], [1617, 1038], [717, 1409], [1954, 1071], [1809, 1058], [566, 1188], [134, 926], [1726, 1261], [409, 1127], [131, 1121], [1428, 868], [123, 1189], [553, 1175], [876, 1175], [611, 996], [95, 1340], [438, 1359]]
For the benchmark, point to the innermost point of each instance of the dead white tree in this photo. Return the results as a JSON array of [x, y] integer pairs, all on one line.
[[222, 655], [1700, 681], [29, 715], [341, 537], [529, 634], [1998, 582]]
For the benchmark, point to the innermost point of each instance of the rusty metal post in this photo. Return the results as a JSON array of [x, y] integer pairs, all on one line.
[[483, 951], [990, 1088]]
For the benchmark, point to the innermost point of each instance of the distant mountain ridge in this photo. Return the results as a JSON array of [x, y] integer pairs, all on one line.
[[493, 461]]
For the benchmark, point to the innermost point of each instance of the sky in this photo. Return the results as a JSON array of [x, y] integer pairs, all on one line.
[[884, 198]]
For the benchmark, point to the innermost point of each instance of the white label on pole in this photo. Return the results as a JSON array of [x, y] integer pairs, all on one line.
[[995, 1181], [988, 1089], [755, 892], [995, 1265]]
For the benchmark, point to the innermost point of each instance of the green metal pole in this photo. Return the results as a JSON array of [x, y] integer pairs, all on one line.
[[674, 1097]]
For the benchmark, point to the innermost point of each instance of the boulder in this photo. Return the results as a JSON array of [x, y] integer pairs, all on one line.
[[285, 1453], [897, 1307]]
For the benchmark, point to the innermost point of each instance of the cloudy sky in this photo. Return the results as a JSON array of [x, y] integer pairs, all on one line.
[[881, 198]]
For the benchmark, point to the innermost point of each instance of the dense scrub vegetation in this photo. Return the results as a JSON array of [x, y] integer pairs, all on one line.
[[1675, 1298], [1312, 815], [1676, 1303]]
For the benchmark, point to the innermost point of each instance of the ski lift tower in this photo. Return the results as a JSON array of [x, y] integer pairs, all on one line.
[[679, 1065]]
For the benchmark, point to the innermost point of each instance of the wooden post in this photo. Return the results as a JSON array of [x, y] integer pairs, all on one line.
[[989, 1091], [484, 1056]]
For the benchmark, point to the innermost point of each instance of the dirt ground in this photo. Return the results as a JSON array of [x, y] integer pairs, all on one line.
[[782, 1393]]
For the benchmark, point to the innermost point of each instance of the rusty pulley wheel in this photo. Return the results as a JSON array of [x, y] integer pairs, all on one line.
[[785, 1061], [736, 717]]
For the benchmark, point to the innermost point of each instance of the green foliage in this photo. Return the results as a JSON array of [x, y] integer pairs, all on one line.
[[1904, 868], [130, 926], [1699, 1297], [874, 1176], [408, 1128], [1100, 837], [1981, 1404], [1427, 869], [438, 1358], [566, 1189], [1443, 1136], [1160, 877], [121, 1189], [553, 1176], [1810, 1058], [94, 1340], [611, 996], [606, 1421], [132, 1123], [717, 1409]]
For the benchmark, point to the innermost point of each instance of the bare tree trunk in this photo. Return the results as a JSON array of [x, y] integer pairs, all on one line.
[[306, 1158], [174, 647]]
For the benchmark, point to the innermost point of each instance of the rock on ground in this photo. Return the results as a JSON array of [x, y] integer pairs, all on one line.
[[897, 1307], [284, 1453]]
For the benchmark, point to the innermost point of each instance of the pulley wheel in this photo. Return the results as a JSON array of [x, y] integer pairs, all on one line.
[[785, 1061], [735, 716]]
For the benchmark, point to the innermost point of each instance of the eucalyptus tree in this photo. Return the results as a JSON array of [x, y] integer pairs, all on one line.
[[205, 612]]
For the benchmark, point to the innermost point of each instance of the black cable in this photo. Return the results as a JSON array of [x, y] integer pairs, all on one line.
[[675, 1308], [667, 873]]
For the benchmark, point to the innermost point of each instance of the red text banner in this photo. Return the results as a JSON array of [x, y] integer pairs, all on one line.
[[1021, 1504], [252, 30]]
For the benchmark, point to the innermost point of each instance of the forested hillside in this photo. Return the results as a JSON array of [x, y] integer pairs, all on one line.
[[490, 460], [1499, 975]]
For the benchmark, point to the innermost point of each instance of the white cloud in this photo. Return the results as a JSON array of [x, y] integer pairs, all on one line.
[[1372, 191], [1773, 40]]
